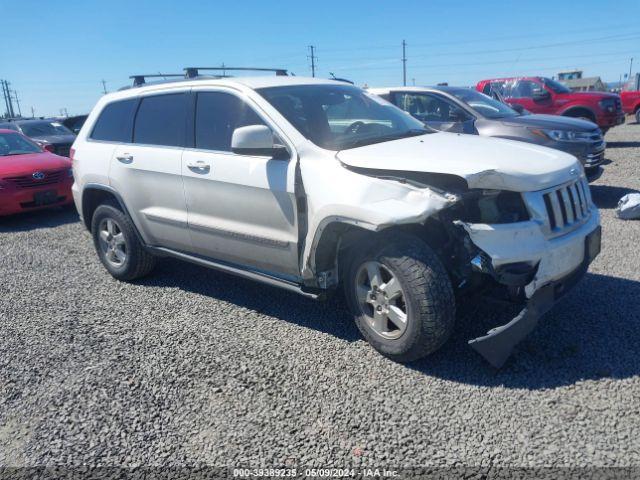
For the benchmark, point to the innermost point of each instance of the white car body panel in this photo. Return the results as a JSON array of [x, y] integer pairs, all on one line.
[[483, 162]]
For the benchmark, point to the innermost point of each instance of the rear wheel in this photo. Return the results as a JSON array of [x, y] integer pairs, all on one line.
[[638, 115], [401, 298], [117, 244]]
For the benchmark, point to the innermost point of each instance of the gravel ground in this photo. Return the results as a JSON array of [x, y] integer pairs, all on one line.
[[195, 367]]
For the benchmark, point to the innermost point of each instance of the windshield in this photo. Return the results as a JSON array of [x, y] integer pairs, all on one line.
[[484, 105], [16, 144], [556, 86], [338, 117], [44, 129]]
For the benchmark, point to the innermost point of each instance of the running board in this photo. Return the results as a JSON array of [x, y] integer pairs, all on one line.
[[240, 272]]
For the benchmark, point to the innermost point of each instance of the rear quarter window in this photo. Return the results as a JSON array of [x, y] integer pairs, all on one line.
[[114, 122]]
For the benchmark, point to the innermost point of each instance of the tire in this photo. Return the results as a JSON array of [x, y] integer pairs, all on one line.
[[426, 297], [132, 261], [638, 116]]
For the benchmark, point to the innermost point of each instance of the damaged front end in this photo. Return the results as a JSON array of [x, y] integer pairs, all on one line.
[[524, 252]]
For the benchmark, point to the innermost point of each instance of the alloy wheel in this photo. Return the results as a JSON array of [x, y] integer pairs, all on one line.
[[381, 299], [112, 242]]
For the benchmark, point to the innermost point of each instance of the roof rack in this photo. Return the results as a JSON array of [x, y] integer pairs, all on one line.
[[139, 80], [193, 72]]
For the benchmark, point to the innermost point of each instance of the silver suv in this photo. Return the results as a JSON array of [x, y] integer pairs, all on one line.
[[313, 184]]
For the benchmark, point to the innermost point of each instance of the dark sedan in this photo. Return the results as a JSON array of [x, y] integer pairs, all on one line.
[[464, 110], [50, 134]]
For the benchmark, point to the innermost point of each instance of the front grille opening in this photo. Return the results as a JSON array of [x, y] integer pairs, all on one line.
[[573, 202], [562, 208], [552, 219]]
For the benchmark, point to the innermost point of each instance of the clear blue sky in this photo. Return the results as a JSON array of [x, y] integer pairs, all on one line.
[[55, 54]]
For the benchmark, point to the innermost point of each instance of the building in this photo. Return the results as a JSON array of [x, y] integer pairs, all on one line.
[[576, 82]]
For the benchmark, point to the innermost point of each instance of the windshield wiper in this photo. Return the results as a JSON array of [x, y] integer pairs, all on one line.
[[361, 142]]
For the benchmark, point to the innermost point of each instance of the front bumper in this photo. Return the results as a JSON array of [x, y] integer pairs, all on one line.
[[17, 200], [557, 264], [611, 120]]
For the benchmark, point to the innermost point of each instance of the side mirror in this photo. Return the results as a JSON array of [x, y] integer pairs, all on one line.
[[257, 140], [540, 95]]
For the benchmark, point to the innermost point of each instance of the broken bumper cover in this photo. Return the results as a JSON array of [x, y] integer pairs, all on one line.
[[497, 345]]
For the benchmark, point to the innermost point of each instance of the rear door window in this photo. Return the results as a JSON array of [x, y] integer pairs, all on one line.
[[114, 122], [161, 120]]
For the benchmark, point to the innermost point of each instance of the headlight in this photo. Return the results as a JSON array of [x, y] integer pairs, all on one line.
[[494, 207], [562, 135], [608, 104]]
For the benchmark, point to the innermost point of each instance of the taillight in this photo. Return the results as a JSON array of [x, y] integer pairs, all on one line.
[[49, 148]]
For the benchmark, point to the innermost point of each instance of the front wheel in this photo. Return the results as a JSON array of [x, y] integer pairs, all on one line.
[[401, 298]]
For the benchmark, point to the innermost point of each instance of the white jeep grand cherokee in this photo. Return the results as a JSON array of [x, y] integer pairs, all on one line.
[[309, 184]]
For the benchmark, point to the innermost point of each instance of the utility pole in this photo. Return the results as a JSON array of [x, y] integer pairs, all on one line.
[[4, 95], [404, 63], [15, 95], [312, 49], [104, 87], [630, 65], [33, 112], [7, 98]]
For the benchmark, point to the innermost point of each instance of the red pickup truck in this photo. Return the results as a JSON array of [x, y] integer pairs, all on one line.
[[543, 95], [630, 96]]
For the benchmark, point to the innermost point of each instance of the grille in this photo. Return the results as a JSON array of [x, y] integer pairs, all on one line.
[[63, 150], [595, 135], [567, 206], [27, 181]]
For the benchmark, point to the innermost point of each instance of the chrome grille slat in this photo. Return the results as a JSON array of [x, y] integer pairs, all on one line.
[[568, 208], [563, 208], [580, 210], [27, 181]]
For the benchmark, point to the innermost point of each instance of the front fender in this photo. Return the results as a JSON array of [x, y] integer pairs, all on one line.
[[412, 208]]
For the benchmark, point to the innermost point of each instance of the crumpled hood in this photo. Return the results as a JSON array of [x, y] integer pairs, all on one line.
[[483, 162], [555, 122]]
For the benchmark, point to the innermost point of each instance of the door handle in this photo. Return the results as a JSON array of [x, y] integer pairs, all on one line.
[[199, 166], [125, 158]]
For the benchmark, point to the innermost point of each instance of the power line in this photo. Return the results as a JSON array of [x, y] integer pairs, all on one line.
[[376, 66]]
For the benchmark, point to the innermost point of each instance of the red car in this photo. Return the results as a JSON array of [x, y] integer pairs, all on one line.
[[30, 177], [543, 95], [630, 96]]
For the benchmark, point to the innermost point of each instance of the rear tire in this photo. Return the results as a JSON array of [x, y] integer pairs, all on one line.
[[401, 297], [117, 244], [638, 116]]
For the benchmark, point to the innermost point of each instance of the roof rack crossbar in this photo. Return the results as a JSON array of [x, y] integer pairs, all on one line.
[[141, 79], [192, 72]]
